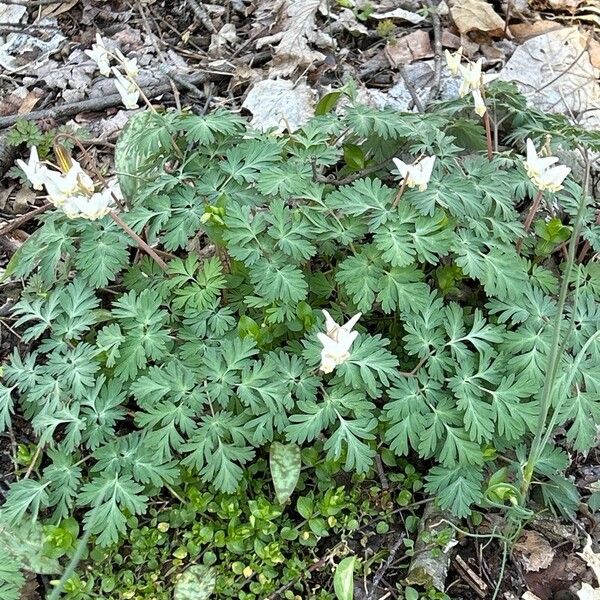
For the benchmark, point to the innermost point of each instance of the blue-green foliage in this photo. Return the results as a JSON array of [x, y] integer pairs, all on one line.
[[149, 375]]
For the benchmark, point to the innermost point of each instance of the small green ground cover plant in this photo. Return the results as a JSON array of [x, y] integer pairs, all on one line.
[[156, 385]]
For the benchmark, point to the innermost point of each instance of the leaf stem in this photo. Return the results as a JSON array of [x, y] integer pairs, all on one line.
[[138, 240], [556, 349], [530, 216]]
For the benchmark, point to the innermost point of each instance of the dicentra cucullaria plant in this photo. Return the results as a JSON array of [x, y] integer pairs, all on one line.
[[135, 378]]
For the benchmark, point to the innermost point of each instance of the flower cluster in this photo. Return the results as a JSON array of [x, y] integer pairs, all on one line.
[[472, 79], [125, 83], [417, 174], [336, 342], [543, 170], [69, 187]]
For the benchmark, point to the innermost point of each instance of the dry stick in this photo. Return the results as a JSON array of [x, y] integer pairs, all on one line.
[[95, 104], [530, 216], [29, 3], [411, 89], [202, 15], [140, 242], [437, 49], [381, 472], [384, 567], [399, 194], [16, 223]]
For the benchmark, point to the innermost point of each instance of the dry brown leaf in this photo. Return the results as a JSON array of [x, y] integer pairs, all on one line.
[[594, 50], [299, 28], [399, 13], [29, 102], [476, 16], [53, 10], [449, 40], [525, 31], [533, 551], [408, 48]]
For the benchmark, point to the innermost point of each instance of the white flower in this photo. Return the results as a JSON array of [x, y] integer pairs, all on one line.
[[453, 60], [417, 174], [60, 186], [542, 172], [129, 64], [91, 207], [34, 170], [471, 77], [480, 107], [127, 89], [336, 342], [100, 55]]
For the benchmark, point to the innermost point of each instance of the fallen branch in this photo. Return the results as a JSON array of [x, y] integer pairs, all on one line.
[[437, 49], [97, 104], [19, 221]]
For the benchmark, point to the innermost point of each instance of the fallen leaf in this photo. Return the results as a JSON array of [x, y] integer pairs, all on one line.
[[408, 48], [299, 28], [569, 5], [279, 104], [449, 40], [29, 102], [347, 20], [555, 73], [525, 31], [594, 50], [11, 13], [591, 558], [533, 551], [399, 13], [476, 16], [23, 52], [53, 10], [218, 41], [529, 596], [24, 198]]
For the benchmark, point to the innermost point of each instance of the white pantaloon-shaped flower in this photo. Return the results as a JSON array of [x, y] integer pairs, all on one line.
[[336, 342]]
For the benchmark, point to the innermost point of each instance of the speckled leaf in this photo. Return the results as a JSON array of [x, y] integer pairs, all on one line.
[[285, 469], [196, 583], [343, 579]]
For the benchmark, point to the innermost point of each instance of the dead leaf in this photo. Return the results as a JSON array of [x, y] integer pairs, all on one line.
[[29, 102], [347, 20], [299, 28], [525, 31], [408, 48], [218, 41], [591, 558], [53, 10], [533, 551], [476, 16], [449, 40], [11, 13], [556, 74], [24, 198], [399, 13], [279, 104], [594, 50], [570, 5], [529, 596], [23, 52]]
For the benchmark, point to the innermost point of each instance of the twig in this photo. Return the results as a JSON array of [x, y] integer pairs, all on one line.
[[30, 3], [140, 242], [19, 221], [202, 15], [332, 180], [411, 89], [437, 49], [385, 566], [507, 16], [399, 194], [94, 104], [381, 472]]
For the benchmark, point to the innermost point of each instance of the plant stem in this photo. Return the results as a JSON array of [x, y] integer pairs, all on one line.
[[488, 135], [399, 194], [556, 349], [530, 216], [138, 240]]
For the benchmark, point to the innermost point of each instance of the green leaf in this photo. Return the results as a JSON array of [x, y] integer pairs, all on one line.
[[327, 103], [457, 489], [285, 464], [354, 157], [343, 579], [196, 583], [24, 543]]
